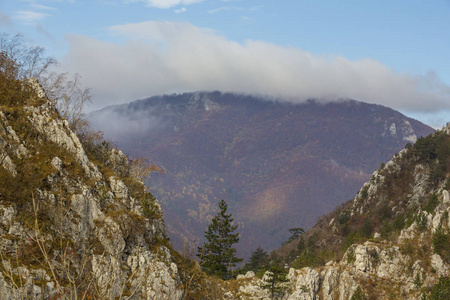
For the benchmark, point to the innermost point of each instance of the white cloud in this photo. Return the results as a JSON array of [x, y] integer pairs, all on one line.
[[41, 7], [255, 8], [167, 57], [165, 3], [246, 18], [181, 10], [212, 11], [29, 16]]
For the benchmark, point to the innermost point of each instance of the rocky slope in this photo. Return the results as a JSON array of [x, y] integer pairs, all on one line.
[[74, 225], [278, 165], [392, 241]]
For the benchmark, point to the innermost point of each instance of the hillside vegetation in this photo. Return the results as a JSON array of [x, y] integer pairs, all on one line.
[[278, 165], [76, 221], [392, 241], [399, 194]]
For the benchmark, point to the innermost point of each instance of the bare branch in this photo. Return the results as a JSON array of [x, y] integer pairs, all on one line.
[[31, 61], [69, 96]]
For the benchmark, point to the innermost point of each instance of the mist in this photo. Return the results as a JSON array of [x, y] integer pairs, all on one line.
[[155, 58], [117, 124]]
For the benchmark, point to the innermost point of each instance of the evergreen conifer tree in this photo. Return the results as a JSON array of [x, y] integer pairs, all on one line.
[[217, 255], [257, 260], [275, 281]]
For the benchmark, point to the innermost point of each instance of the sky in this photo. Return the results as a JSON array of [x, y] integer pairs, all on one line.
[[394, 53]]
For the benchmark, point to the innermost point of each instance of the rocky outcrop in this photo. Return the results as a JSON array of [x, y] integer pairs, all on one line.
[[387, 270], [77, 222], [82, 227], [406, 266], [9, 144], [402, 129]]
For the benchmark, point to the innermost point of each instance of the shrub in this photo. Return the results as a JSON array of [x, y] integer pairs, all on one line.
[[367, 229], [441, 290], [432, 203], [386, 230], [385, 212], [344, 217], [310, 255], [441, 244], [434, 149], [358, 294], [407, 248], [399, 223], [149, 207], [421, 221], [353, 238], [351, 257], [13, 91], [365, 192]]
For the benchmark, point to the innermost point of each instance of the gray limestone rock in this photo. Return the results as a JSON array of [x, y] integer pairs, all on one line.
[[96, 220]]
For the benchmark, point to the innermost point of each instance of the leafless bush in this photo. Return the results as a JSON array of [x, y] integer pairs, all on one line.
[[20, 62], [31, 61], [69, 97]]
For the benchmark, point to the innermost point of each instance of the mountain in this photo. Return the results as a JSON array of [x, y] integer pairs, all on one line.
[[392, 241], [278, 165], [75, 222]]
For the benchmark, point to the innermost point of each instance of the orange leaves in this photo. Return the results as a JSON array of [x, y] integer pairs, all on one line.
[[141, 168]]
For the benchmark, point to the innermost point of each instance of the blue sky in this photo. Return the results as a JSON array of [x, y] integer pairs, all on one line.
[[394, 53]]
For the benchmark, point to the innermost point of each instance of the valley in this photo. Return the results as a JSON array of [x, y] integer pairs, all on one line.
[[278, 165]]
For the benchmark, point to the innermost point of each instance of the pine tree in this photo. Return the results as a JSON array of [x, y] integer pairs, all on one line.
[[217, 256], [257, 260], [275, 281]]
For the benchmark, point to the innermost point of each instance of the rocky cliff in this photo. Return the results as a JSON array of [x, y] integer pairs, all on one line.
[[75, 224], [392, 241]]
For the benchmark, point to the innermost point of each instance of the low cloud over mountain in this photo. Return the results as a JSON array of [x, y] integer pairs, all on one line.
[[277, 165], [164, 57]]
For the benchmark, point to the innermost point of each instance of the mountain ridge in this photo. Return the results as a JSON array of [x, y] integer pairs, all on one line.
[[202, 139], [74, 220], [392, 241]]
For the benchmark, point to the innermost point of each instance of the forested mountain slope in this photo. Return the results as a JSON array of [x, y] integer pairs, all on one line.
[[392, 241], [278, 165]]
